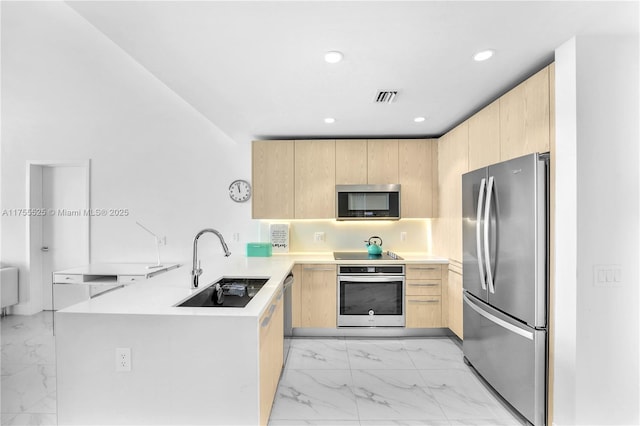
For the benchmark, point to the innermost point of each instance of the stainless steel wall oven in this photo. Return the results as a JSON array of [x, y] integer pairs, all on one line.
[[371, 296]]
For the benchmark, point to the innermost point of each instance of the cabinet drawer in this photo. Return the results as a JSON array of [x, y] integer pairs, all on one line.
[[68, 278], [423, 288], [130, 279], [423, 311], [423, 271]]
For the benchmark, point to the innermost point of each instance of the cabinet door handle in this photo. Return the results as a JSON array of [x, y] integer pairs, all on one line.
[[267, 320], [424, 285], [422, 301], [318, 269], [424, 268]]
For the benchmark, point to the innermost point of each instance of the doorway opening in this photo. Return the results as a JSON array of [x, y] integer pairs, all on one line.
[[59, 229]]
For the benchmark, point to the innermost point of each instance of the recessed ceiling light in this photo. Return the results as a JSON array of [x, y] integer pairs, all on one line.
[[333, 57], [419, 119], [483, 55], [329, 120]]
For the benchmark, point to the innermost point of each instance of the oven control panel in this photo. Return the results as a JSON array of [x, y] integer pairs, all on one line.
[[370, 269]]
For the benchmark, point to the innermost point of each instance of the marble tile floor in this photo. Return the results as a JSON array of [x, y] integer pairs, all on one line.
[[28, 381], [341, 381], [376, 382]]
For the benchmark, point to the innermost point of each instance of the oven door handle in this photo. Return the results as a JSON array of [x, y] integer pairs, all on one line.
[[369, 279]]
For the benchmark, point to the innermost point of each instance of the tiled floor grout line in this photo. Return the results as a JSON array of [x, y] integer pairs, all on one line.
[[353, 383]]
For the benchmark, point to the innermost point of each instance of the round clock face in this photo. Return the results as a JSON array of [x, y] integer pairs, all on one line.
[[240, 191]]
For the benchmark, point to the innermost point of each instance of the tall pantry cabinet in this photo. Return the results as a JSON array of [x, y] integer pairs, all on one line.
[[518, 123]]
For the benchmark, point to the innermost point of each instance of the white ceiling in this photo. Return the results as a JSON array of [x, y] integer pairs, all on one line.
[[256, 69]]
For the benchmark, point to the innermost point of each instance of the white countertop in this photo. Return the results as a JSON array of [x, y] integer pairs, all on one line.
[[117, 269], [160, 295]]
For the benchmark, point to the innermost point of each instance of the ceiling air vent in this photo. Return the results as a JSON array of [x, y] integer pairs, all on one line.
[[385, 96]]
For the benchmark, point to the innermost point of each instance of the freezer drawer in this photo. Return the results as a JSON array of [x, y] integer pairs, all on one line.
[[509, 355]]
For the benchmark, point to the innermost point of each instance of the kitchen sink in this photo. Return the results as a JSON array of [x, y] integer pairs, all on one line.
[[237, 293]]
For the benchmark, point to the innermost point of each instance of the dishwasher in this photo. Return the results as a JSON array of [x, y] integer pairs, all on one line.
[[287, 287]]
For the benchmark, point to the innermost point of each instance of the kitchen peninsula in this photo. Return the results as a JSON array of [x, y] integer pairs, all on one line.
[[187, 365]]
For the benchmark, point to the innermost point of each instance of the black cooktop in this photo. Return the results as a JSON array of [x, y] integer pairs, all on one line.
[[363, 255]]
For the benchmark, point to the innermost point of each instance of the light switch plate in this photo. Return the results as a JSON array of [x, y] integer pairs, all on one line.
[[607, 275]]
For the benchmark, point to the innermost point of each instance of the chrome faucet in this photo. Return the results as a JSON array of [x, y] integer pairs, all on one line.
[[197, 270]]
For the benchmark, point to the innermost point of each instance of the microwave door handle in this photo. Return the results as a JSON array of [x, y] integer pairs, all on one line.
[[487, 252], [481, 192]]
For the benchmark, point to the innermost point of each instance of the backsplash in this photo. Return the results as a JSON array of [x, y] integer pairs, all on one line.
[[406, 235]]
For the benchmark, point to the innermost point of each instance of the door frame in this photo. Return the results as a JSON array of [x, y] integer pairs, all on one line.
[[35, 292]]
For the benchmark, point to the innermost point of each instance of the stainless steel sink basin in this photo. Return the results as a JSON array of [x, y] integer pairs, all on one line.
[[237, 293]]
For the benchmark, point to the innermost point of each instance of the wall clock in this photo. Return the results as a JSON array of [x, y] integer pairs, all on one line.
[[240, 190]]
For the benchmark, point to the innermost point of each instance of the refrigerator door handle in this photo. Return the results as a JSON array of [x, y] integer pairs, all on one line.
[[483, 183], [498, 321], [487, 252]]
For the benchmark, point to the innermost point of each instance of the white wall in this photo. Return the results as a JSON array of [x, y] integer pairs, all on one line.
[[565, 243], [68, 94], [598, 212]]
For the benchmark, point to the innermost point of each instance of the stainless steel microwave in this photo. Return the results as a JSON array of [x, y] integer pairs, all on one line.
[[366, 202]]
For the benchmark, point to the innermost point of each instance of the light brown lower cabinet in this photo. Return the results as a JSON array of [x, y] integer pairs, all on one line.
[[423, 311], [271, 354], [427, 303], [424, 295], [454, 295], [314, 296]]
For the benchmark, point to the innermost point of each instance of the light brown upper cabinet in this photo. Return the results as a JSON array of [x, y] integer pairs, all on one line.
[[315, 174], [418, 175], [484, 137], [272, 179], [524, 117], [351, 162], [382, 164]]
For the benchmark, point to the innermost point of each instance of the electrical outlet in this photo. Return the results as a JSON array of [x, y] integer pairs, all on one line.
[[236, 237], [318, 237], [123, 359], [403, 236]]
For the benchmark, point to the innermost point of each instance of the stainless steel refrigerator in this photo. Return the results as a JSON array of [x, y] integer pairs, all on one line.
[[505, 279]]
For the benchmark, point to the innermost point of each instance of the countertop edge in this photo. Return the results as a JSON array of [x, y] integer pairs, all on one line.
[[159, 295]]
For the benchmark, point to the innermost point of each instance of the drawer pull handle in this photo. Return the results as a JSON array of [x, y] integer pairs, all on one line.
[[423, 301], [424, 285], [318, 269], [424, 268]]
